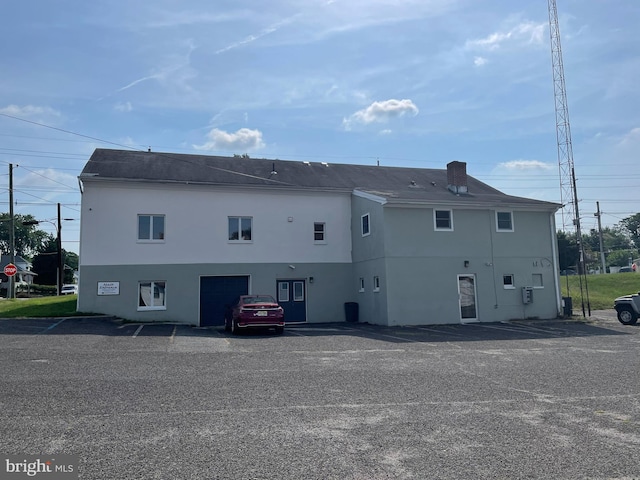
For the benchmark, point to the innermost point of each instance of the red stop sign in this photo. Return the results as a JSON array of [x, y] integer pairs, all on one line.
[[10, 270]]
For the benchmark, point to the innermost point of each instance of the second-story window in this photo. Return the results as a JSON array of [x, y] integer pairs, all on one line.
[[364, 223], [443, 219], [504, 222], [151, 228], [319, 232], [240, 229]]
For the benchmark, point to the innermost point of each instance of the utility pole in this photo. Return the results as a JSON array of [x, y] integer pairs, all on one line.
[[602, 261], [11, 292], [60, 261]]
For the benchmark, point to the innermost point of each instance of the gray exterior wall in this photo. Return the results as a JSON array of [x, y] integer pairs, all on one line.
[[326, 296], [369, 260], [422, 266]]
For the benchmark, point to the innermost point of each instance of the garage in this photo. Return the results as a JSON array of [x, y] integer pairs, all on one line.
[[215, 293]]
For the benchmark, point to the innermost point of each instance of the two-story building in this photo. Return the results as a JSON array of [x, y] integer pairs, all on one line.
[[175, 237]]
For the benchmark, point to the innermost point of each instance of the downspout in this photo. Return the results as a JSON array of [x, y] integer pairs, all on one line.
[[556, 266], [493, 263]]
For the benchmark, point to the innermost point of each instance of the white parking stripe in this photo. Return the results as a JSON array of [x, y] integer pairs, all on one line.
[[137, 331]]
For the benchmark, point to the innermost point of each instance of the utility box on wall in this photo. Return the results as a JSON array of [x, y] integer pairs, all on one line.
[[527, 295]]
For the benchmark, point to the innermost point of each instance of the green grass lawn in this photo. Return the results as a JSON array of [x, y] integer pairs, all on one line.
[[602, 289], [62, 306]]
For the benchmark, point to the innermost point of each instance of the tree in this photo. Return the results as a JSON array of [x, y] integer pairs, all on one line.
[[28, 240], [567, 250], [617, 244], [45, 264], [632, 226]]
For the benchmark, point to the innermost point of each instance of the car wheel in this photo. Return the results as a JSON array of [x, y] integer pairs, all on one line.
[[626, 315], [279, 330], [234, 327]]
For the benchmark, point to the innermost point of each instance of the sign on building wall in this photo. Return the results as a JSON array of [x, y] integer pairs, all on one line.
[[108, 288]]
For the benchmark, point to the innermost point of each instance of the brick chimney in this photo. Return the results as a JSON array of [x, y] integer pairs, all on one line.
[[457, 177]]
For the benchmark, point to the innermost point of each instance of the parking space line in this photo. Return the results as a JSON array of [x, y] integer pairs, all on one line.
[[440, 332], [295, 333], [51, 327], [173, 334], [137, 331]]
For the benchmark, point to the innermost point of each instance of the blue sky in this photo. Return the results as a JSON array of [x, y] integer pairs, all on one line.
[[415, 83]]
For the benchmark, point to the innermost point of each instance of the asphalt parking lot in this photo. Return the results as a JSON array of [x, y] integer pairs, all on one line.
[[536, 399]]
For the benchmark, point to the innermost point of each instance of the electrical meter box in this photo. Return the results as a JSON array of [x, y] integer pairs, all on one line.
[[527, 295]]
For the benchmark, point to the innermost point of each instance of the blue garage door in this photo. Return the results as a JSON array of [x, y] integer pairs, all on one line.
[[216, 293]]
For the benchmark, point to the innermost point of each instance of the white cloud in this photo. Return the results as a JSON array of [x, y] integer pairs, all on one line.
[[123, 107], [520, 165], [244, 139], [631, 138], [479, 61], [29, 111], [380, 112], [526, 32]]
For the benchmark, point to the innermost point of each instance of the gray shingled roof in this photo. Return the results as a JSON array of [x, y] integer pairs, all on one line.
[[395, 184]]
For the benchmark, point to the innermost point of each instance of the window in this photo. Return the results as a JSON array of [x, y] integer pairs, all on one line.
[[151, 296], [376, 284], [507, 281], [536, 279], [298, 291], [504, 222], [361, 289], [318, 232], [364, 223], [240, 229], [151, 228], [443, 219], [283, 291]]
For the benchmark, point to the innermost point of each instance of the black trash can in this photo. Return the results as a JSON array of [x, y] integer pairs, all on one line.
[[567, 306], [351, 311]]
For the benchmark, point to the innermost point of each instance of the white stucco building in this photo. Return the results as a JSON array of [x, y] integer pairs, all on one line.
[[173, 237]]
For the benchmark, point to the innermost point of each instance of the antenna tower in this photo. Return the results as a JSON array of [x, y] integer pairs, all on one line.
[[568, 192]]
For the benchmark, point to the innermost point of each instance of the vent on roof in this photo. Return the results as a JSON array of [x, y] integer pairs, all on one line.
[[273, 169], [325, 164], [306, 163]]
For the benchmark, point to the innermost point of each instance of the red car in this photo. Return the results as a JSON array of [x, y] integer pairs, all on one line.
[[254, 311]]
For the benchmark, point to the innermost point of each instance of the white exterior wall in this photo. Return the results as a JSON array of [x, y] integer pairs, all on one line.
[[196, 225]]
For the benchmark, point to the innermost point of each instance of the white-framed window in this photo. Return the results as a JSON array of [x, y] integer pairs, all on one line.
[[298, 291], [151, 296], [283, 291], [150, 228], [240, 229], [361, 285], [319, 232], [443, 220], [504, 221], [507, 281], [536, 280], [376, 283], [365, 227]]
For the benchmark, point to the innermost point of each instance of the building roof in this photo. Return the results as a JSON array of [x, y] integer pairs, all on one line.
[[392, 185]]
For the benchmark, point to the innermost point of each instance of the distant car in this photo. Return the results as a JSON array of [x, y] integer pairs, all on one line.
[[69, 290], [254, 311], [625, 270], [568, 271]]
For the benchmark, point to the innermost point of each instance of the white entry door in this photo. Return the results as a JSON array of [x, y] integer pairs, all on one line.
[[467, 296]]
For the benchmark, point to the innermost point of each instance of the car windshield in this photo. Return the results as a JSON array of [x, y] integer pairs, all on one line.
[[258, 299]]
